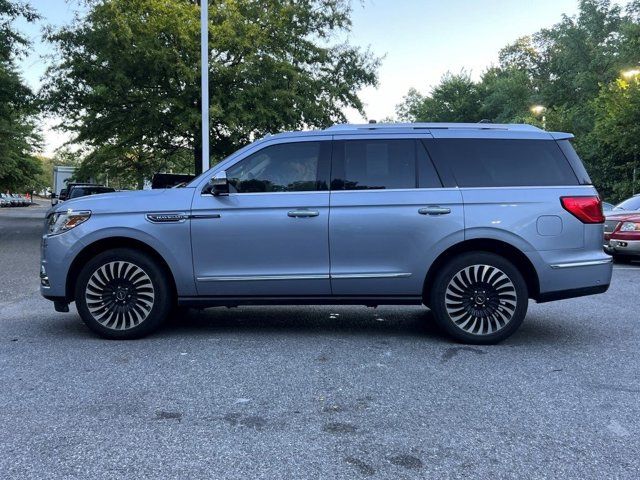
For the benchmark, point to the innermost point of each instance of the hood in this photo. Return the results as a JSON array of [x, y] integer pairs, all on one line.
[[169, 199], [635, 217], [621, 215]]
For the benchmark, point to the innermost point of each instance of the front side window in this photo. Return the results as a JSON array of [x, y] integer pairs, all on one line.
[[286, 167], [374, 164]]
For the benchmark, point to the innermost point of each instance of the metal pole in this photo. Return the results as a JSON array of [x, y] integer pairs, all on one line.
[[204, 74]]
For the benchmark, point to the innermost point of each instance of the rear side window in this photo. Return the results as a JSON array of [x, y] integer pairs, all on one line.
[[503, 163], [379, 164], [574, 160], [374, 164]]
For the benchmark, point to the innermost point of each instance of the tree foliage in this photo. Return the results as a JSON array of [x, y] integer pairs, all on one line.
[[612, 148], [573, 70], [19, 168], [126, 80]]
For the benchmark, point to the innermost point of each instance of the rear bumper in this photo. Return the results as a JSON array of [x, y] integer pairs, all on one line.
[[577, 278], [572, 293]]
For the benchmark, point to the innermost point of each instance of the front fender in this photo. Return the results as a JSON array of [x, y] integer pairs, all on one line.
[[170, 240]]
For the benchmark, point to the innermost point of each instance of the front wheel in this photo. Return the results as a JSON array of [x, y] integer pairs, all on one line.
[[123, 294], [479, 298]]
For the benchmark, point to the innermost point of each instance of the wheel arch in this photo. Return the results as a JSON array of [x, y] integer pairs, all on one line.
[[109, 243], [498, 247]]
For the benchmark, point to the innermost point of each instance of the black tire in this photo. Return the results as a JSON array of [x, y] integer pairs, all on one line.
[[123, 294], [479, 298]]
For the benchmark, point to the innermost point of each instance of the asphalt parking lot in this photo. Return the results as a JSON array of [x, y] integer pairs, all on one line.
[[314, 392]]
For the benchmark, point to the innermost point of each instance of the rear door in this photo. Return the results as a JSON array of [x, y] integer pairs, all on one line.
[[390, 215], [511, 184]]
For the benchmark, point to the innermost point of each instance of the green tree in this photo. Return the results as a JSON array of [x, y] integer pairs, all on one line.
[[19, 168], [571, 69], [506, 95], [126, 83], [455, 99], [614, 143]]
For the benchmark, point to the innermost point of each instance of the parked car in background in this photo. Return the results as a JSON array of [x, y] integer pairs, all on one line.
[[14, 200], [607, 207], [614, 217], [471, 220], [64, 193], [78, 191], [622, 237], [169, 180], [629, 205], [61, 197]]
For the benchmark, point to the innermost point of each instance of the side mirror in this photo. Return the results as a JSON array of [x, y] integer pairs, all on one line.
[[219, 185]]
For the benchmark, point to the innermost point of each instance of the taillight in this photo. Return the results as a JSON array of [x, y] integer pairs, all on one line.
[[585, 209]]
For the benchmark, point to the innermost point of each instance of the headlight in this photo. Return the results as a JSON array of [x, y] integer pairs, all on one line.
[[60, 222], [630, 227]]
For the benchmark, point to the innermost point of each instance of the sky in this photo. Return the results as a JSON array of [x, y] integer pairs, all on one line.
[[419, 40]]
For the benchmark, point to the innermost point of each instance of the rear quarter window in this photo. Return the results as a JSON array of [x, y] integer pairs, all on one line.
[[503, 163]]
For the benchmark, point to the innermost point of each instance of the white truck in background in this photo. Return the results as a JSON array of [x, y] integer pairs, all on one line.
[[61, 175]]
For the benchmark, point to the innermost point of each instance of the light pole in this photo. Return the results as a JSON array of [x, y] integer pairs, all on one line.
[[204, 82], [630, 74], [538, 110]]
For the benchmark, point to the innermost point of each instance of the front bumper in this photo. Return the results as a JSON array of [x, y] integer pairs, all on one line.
[[623, 247], [56, 255]]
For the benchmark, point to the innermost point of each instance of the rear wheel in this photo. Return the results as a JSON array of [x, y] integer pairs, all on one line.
[[123, 294], [479, 298]]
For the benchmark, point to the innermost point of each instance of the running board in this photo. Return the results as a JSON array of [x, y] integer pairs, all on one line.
[[369, 301]]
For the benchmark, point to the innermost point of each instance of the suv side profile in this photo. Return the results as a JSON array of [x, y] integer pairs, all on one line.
[[471, 220]]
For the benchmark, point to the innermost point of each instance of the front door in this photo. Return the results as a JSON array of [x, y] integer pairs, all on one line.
[[269, 236], [390, 216]]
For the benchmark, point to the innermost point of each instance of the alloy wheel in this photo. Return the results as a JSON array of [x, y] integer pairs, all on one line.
[[481, 299], [120, 295]]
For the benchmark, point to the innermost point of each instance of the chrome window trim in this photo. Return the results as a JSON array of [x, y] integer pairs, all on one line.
[[588, 263], [430, 189], [267, 193], [522, 187]]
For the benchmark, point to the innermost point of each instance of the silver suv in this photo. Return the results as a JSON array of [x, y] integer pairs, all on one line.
[[471, 220]]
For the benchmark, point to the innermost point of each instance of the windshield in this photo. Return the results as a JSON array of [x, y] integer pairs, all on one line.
[[632, 203]]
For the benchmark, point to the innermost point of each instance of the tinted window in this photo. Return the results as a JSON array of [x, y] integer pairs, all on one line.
[[286, 167], [574, 160], [84, 191], [503, 163], [427, 175], [374, 164]]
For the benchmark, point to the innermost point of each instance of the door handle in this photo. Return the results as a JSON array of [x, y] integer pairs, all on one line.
[[434, 210], [303, 213]]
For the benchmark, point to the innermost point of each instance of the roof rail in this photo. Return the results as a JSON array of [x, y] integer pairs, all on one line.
[[433, 126]]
